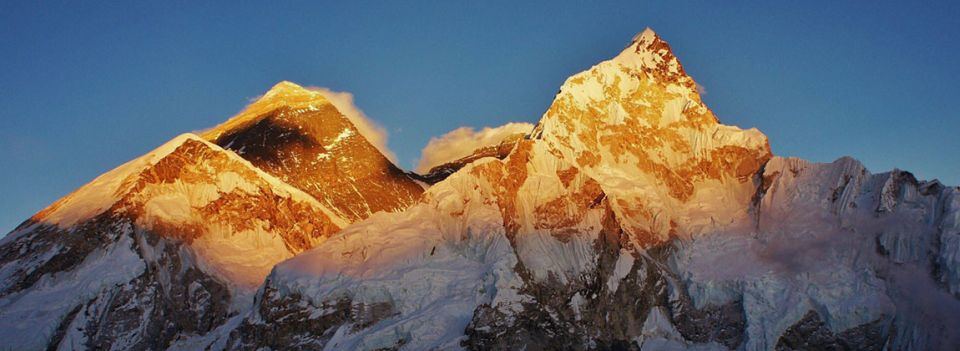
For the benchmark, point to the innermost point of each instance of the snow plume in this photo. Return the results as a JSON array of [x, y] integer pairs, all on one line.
[[373, 132], [461, 142], [702, 90]]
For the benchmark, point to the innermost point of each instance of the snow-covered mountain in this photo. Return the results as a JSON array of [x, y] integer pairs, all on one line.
[[153, 250], [629, 218], [171, 245]]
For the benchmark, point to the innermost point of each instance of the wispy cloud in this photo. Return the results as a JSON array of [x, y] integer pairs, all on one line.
[[371, 130], [463, 141]]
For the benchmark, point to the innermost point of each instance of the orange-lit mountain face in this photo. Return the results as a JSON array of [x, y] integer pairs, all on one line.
[[640, 111], [298, 136], [157, 248], [188, 231], [638, 118], [629, 218]]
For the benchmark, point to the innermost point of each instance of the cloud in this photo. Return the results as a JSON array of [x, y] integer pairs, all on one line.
[[461, 142], [373, 132], [702, 90]]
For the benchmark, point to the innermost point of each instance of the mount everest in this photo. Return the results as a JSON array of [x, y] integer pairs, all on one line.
[[629, 217]]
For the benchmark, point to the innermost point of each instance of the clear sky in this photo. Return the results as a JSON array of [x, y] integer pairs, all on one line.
[[86, 86]]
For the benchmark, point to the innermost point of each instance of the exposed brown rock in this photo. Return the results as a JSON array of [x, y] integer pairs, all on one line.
[[301, 138]]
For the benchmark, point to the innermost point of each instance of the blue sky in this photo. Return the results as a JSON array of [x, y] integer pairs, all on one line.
[[87, 86]]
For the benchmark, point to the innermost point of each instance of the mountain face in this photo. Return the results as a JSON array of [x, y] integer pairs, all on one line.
[[298, 136], [154, 250], [630, 218], [636, 124]]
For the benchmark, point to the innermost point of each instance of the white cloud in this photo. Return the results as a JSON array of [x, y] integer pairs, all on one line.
[[702, 90], [461, 142], [373, 132]]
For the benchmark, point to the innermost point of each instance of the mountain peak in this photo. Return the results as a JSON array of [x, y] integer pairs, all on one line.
[[645, 41], [646, 36], [284, 94], [640, 114], [290, 89], [648, 52], [299, 136]]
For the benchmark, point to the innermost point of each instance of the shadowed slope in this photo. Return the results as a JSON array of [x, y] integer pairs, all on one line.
[[300, 137]]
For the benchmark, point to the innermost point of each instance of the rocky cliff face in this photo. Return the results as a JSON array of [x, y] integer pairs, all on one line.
[[300, 137], [630, 218]]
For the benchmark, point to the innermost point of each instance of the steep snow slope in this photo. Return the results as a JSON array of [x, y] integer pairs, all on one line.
[[632, 218], [300, 137], [152, 251], [636, 124]]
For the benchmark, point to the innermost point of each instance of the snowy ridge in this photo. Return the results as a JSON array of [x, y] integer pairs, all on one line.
[[632, 203], [168, 226], [277, 184], [815, 248], [630, 218], [105, 190], [243, 256]]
